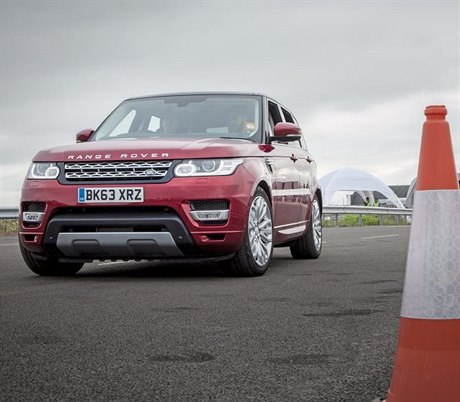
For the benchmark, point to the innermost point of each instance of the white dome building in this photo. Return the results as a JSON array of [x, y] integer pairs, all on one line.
[[359, 181]]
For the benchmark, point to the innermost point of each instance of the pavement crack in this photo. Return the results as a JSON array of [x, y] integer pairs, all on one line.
[[192, 357], [343, 313], [304, 360]]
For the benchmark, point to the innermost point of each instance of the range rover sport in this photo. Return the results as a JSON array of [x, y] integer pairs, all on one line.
[[188, 175]]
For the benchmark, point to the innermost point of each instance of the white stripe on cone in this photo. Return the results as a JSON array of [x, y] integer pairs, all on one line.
[[432, 283]]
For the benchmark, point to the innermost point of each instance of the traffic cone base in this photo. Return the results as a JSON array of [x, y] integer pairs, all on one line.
[[422, 374]]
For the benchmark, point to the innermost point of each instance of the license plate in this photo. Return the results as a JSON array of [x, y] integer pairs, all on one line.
[[116, 194]]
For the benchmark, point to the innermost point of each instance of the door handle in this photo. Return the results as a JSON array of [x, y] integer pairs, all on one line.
[[293, 158]]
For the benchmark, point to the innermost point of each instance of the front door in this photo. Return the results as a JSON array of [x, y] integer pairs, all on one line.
[[285, 190]]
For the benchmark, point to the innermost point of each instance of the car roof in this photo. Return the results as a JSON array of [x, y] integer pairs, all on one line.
[[197, 93]]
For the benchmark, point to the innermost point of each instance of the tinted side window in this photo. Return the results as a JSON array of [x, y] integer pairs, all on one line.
[[288, 116], [274, 114]]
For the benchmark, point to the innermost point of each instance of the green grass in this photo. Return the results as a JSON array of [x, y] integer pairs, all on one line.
[[350, 220], [371, 220], [8, 227]]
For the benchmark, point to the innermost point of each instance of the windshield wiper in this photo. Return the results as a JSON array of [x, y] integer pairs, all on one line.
[[237, 138]]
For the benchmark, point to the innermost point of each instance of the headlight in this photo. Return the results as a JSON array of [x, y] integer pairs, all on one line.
[[43, 170], [207, 167]]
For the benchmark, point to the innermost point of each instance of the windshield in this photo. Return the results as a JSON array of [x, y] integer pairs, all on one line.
[[198, 116]]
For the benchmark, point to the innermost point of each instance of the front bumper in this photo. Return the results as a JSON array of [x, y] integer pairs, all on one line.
[[160, 227], [98, 235]]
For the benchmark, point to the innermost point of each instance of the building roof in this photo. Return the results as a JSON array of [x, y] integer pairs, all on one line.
[[400, 190]]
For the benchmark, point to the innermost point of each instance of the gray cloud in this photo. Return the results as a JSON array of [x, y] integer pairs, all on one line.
[[66, 64]]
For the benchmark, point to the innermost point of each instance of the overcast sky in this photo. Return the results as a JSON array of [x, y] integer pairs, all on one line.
[[356, 74]]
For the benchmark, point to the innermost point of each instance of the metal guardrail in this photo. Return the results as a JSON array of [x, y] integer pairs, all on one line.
[[9, 212], [360, 211], [13, 212]]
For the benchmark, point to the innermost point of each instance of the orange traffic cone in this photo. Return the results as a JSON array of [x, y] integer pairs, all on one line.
[[427, 362]]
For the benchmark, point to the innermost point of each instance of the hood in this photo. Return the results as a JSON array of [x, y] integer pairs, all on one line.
[[150, 149]]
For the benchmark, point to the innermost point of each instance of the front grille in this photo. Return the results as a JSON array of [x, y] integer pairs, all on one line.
[[116, 171]]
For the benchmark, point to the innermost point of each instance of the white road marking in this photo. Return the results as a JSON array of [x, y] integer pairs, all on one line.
[[379, 237], [7, 245]]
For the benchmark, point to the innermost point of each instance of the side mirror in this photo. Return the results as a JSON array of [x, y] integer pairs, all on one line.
[[286, 132], [84, 135]]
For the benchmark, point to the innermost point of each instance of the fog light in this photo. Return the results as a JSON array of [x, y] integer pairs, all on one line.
[[206, 216], [32, 217]]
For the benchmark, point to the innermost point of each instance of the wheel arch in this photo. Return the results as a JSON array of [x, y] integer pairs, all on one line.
[[264, 186], [319, 196]]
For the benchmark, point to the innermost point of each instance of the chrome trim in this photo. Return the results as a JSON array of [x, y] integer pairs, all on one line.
[[296, 229], [120, 165], [222, 215], [290, 224], [294, 191], [32, 217], [112, 175]]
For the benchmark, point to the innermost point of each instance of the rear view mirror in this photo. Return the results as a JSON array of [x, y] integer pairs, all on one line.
[[286, 132], [84, 135]]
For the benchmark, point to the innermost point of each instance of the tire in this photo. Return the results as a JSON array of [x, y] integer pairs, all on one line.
[[254, 256], [309, 245], [49, 267]]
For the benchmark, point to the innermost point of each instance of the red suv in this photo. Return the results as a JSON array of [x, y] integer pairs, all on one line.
[[224, 175]]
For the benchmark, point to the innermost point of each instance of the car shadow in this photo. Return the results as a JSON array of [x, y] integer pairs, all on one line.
[[153, 269]]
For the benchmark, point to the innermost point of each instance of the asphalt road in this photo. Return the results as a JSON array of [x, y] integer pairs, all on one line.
[[322, 330]]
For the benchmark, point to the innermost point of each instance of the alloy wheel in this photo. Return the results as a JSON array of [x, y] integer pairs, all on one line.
[[317, 225], [260, 230]]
